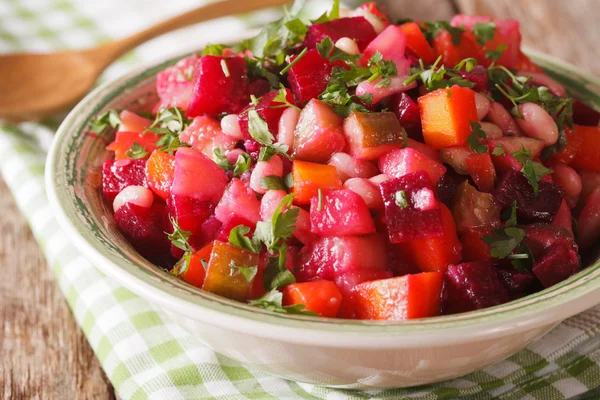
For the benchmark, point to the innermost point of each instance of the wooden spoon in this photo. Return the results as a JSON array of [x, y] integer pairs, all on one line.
[[34, 86]]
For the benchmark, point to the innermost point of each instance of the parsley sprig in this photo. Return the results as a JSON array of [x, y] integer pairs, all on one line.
[[241, 165], [438, 77], [473, 139], [533, 171], [180, 239], [109, 118], [431, 29], [168, 124], [136, 151], [273, 301]]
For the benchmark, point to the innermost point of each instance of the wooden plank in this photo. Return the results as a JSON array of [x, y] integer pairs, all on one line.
[[44, 353], [565, 29]]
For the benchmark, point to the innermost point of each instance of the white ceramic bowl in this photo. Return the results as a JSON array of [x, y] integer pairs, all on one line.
[[339, 353]]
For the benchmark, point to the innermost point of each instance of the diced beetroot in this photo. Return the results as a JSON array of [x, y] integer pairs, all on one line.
[[197, 176], [412, 210], [447, 187], [479, 76], [240, 201], [350, 167], [563, 217], [205, 134], [340, 213], [262, 169], [584, 115], [407, 111], [117, 175], [258, 87], [189, 212], [174, 85], [475, 249], [371, 135], [357, 28], [398, 163], [232, 222], [346, 283], [543, 206], [539, 237], [208, 231], [472, 286], [319, 133], [400, 261], [559, 261], [309, 77], [369, 191], [145, 229], [391, 44], [218, 89], [330, 257], [268, 110], [515, 282]]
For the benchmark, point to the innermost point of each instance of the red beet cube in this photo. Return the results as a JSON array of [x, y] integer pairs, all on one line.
[[189, 213], [268, 110], [531, 207], [472, 286], [479, 76], [559, 261], [357, 28], [309, 77], [144, 228], [329, 257], [220, 85], [340, 213], [407, 111], [412, 210], [118, 174]]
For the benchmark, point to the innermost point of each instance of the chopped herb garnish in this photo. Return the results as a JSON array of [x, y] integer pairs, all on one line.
[[273, 301], [473, 139], [288, 181], [272, 182], [225, 68], [169, 123], [237, 237], [435, 77], [401, 199], [293, 62], [258, 128], [533, 171], [273, 233], [509, 216], [104, 120], [498, 150], [434, 28], [504, 240], [136, 151], [484, 32], [214, 50], [281, 98], [495, 55], [320, 199], [179, 238], [248, 272]]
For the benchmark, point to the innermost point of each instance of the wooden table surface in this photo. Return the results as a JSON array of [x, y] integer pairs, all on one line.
[[45, 355]]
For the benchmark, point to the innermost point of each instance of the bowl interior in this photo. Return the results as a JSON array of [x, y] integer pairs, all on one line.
[[74, 180]]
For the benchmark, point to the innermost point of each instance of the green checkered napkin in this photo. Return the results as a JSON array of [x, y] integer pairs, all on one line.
[[144, 354]]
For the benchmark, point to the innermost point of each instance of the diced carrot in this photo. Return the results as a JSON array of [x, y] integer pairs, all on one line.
[[416, 42], [475, 249], [160, 169], [322, 297], [131, 122], [587, 155], [435, 254], [400, 298], [574, 142], [446, 116], [481, 169], [195, 272], [223, 278], [124, 141], [310, 177], [452, 55]]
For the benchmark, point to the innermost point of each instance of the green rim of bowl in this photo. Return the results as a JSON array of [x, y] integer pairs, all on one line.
[[66, 175]]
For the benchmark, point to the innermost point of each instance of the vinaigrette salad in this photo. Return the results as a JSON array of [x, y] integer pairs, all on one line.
[[357, 167]]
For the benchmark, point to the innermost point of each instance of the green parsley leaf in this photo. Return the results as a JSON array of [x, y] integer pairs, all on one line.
[[522, 155], [401, 199], [101, 122], [335, 10], [273, 301], [288, 181], [484, 32], [468, 64], [248, 272], [498, 150], [510, 215], [534, 172], [136, 151], [435, 77], [325, 47], [381, 69], [258, 128], [297, 27], [179, 238], [214, 50], [242, 164], [504, 240], [221, 160], [276, 275], [272, 182], [522, 259], [169, 123], [237, 237], [273, 233], [293, 62], [281, 98], [473, 139], [434, 28], [495, 55], [182, 265]]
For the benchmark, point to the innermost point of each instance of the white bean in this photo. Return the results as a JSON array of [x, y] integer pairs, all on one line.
[[377, 179], [137, 195], [231, 127], [499, 116], [350, 167], [492, 131], [367, 190], [568, 178], [287, 126], [537, 123], [483, 105], [347, 45]]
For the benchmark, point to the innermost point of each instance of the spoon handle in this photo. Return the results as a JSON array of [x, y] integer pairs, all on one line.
[[206, 12]]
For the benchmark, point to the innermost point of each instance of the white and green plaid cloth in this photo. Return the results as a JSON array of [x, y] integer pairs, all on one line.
[[144, 354]]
